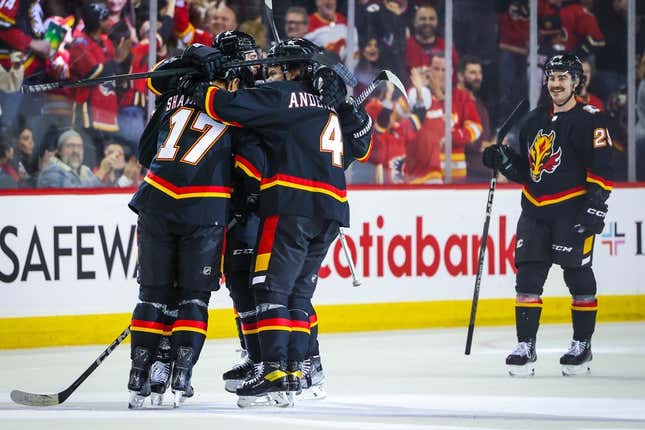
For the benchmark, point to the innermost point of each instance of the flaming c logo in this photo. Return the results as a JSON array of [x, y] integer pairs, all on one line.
[[542, 157]]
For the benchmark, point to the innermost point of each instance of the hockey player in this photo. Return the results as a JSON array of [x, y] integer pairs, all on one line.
[[564, 167], [303, 202], [182, 208]]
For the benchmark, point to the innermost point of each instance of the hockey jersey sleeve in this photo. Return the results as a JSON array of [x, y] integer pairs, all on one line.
[[469, 125], [597, 150], [162, 84], [147, 148], [86, 63], [10, 32], [252, 107]]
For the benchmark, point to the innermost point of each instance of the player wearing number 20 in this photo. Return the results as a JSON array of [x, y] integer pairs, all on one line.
[[564, 167], [303, 201], [182, 208]]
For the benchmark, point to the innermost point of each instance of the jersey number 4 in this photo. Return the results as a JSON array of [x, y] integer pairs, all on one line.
[[211, 131], [331, 140]]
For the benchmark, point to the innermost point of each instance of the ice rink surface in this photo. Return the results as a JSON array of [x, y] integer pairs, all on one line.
[[417, 379]]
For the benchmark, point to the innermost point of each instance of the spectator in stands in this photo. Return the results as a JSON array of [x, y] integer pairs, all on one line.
[[425, 41], [114, 171], [221, 17], [8, 176], [296, 22], [117, 14], [328, 28], [11, 80], [92, 54], [585, 96], [469, 78], [368, 65], [421, 157], [388, 20], [183, 27], [580, 27], [25, 159], [65, 169]]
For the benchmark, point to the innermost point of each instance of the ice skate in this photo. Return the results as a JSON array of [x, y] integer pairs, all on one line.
[[268, 387], [181, 374], [160, 373], [294, 377], [313, 380], [577, 360], [521, 362], [139, 381], [241, 371]]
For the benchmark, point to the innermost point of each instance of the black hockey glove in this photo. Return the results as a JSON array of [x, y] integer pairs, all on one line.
[[591, 218], [198, 92], [353, 119], [209, 61], [248, 207], [330, 87], [503, 159]]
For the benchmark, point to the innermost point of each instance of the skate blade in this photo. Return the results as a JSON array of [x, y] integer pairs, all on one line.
[[136, 400], [525, 371], [316, 392], [278, 399], [291, 399], [231, 385], [179, 399], [574, 370], [156, 399]]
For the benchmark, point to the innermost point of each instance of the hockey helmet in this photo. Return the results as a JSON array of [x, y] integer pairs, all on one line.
[[241, 46], [293, 47], [566, 62]]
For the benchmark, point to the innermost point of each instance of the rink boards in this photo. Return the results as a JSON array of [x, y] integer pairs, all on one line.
[[68, 264]]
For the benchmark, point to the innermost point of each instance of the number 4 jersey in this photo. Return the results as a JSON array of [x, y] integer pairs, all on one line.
[[306, 149], [189, 158]]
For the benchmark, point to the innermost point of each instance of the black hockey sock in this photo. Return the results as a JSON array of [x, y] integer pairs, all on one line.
[[189, 330], [148, 326], [583, 317], [274, 328], [240, 334], [313, 335], [299, 339], [249, 325], [527, 317]]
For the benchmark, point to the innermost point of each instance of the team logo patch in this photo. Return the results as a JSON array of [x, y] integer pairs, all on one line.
[[207, 270], [543, 157]]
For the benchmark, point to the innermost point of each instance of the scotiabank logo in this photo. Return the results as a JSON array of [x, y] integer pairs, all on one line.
[[420, 253]]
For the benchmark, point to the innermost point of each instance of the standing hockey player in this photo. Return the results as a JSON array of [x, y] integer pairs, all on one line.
[[303, 201], [564, 167], [182, 208]]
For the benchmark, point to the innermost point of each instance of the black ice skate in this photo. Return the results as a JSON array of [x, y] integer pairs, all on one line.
[[160, 372], [181, 374], [241, 371], [268, 387], [521, 362], [313, 379], [139, 380], [577, 360], [294, 376]]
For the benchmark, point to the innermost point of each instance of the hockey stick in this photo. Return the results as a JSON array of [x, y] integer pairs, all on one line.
[[269, 12], [350, 262], [324, 59], [519, 110], [32, 399], [384, 75]]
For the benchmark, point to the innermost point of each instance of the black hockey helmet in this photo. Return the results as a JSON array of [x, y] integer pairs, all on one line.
[[293, 47], [566, 62], [238, 45]]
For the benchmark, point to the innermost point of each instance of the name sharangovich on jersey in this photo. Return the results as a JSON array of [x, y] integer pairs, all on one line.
[[88, 252]]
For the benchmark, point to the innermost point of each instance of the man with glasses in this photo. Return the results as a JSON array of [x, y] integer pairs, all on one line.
[[296, 22]]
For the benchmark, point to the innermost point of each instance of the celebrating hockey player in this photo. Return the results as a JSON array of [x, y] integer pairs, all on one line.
[[303, 202], [564, 167], [182, 208]]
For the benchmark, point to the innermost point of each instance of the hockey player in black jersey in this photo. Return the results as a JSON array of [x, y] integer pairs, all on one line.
[[564, 168], [182, 207], [303, 201]]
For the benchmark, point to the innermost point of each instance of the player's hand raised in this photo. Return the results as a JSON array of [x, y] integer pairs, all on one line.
[[330, 87], [209, 61]]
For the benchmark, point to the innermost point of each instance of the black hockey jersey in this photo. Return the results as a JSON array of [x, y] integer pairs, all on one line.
[[190, 160], [305, 147], [562, 157]]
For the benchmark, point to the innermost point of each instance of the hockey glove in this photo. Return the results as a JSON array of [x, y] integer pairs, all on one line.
[[330, 87], [354, 119], [198, 92], [591, 218], [209, 61], [503, 159], [248, 207]]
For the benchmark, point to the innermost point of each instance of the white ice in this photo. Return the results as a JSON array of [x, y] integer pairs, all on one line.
[[417, 379]]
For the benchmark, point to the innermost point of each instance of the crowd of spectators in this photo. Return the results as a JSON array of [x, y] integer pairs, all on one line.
[[87, 137]]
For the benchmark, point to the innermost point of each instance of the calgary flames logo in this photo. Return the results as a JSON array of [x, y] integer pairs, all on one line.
[[542, 157]]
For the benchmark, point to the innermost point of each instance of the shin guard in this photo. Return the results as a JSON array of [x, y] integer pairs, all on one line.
[[528, 309], [189, 330], [148, 326], [583, 316], [274, 329], [299, 339]]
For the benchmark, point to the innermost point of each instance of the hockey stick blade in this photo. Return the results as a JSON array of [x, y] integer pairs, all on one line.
[[33, 399], [383, 75]]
